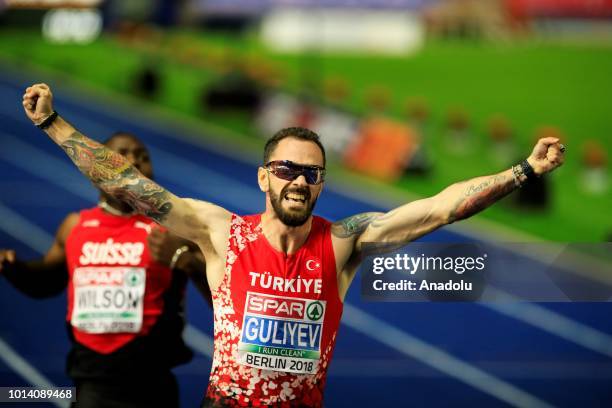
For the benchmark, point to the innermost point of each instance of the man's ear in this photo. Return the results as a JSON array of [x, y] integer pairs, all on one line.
[[262, 179]]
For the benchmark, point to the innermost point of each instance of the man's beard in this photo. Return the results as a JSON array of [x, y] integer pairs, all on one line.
[[292, 218]]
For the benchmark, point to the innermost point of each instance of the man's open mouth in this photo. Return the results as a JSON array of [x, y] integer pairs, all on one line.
[[296, 197]]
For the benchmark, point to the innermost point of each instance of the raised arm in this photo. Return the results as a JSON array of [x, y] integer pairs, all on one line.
[[114, 174], [456, 202]]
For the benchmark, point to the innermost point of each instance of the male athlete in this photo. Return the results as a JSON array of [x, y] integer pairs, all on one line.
[[126, 282], [278, 278]]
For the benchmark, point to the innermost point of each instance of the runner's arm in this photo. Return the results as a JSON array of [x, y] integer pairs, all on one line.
[[44, 277], [415, 219], [182, 255], [193, 265], [112, 173], [456, 202]]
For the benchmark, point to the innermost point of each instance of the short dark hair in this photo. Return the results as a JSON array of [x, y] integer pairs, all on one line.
[[299, 133]]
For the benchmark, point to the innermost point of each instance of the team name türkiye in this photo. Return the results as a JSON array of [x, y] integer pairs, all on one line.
[[296, 285]]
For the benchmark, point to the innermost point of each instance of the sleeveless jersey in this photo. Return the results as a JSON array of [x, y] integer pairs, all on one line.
[[115, 290], [276, 319]]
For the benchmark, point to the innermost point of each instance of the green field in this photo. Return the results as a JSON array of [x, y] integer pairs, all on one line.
[[532, 84]]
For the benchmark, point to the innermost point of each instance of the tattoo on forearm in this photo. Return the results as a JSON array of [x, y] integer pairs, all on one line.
[[114, 174], [477, 197], [357, 224]]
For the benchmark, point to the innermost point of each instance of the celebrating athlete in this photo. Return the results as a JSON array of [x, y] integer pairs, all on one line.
[[278, 279]]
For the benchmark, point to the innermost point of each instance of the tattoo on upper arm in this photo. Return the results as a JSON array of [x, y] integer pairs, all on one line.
[[114, 174], [357, 224], [477, 197]]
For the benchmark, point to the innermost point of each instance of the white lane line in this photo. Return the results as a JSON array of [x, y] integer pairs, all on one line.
[[199, 340], [447, 366], [46, 166], [437, 358], [207, 182], [26, 370], [23, 230], [551, 322]]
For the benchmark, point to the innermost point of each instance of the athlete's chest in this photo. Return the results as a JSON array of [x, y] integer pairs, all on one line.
[[265, 270], [95, 244], [281, 304]]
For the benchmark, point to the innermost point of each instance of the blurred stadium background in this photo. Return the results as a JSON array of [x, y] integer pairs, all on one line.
[[408, 95]]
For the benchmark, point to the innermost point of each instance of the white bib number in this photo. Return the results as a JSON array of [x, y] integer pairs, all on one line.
[[281, 333], [108, 299]]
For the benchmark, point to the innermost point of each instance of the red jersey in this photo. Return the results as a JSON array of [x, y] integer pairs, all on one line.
[[115, 290], [276, 319]]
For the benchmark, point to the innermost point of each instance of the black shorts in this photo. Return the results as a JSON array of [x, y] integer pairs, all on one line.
[[158, 391]]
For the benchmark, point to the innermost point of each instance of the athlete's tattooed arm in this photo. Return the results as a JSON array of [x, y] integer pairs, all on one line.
[[417, 218], [470, 197], [355, 225], [115, 175], [400, 225], [456, 202], [480, 193], [412, 220], [386, 232]]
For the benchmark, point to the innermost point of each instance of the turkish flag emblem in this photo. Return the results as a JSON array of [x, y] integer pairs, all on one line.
[[313, 264]]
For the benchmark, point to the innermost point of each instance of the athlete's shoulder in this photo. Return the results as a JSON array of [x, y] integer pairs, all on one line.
[[87, 217], [320, 221], [71, 219], [67, 226], [252, 221], [250, 224], [90, 212]]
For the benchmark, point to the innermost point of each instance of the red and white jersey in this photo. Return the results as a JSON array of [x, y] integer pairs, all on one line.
[[115, 290], [276, 319]]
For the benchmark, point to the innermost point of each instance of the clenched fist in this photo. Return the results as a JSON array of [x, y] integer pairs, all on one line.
[[38, 102], [162, 245], [547, 155]]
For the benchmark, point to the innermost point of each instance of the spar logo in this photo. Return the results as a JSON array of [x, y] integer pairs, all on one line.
[[314, 311], [275, 306], [134, 278], [102, 275], [284, 307]]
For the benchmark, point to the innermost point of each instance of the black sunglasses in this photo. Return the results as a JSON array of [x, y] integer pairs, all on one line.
[[288, 170]]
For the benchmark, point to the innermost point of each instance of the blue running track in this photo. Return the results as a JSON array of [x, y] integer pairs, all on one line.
[[388, 354]]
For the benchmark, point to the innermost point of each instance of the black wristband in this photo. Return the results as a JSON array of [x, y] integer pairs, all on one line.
[[527, 170], [48, 121]]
